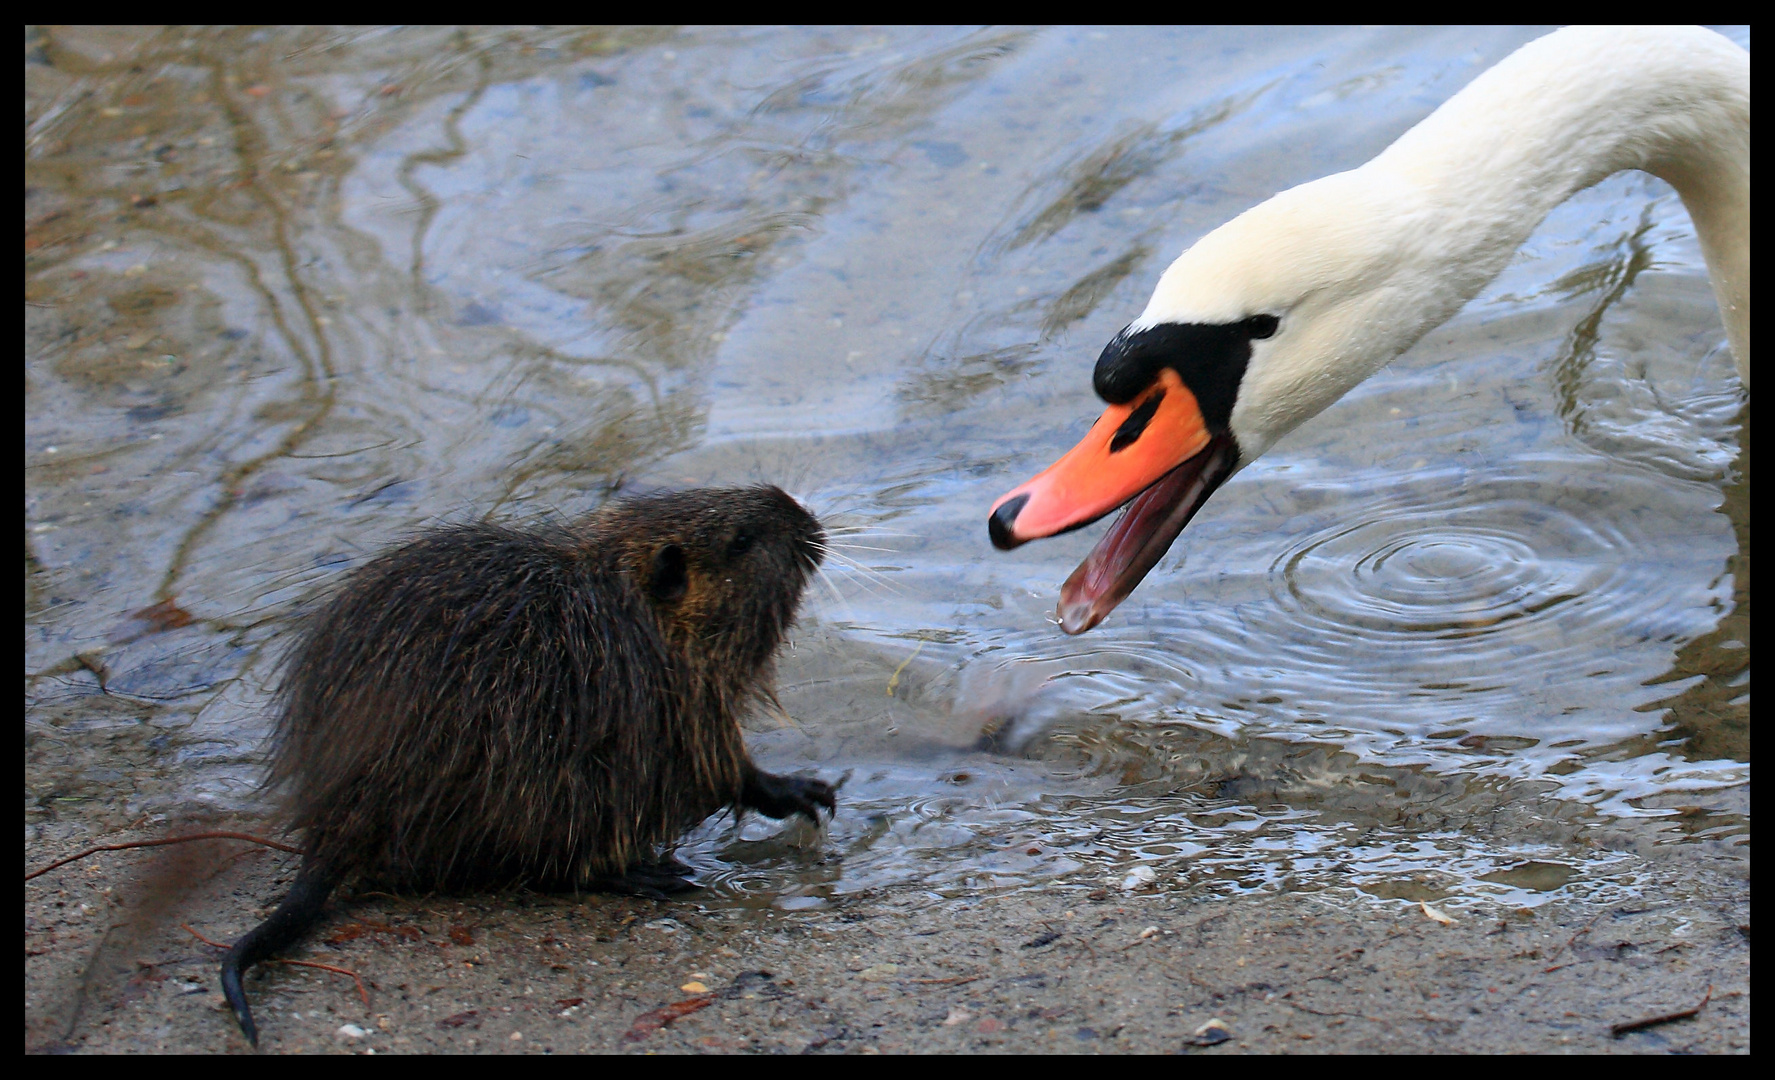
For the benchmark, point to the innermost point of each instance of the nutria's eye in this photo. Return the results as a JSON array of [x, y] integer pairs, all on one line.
[[739, 545], [1259, 327], [669, 578]]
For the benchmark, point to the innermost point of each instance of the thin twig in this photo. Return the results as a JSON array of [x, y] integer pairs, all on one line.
[[1582, 930], [1619, 1030], [1322, 1012], [167, 840], [213, 944], [361, 992]]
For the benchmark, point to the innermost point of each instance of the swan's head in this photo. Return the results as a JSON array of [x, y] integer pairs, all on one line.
[[1260, 325]]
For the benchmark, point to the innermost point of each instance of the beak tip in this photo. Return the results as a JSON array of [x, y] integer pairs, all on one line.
[[1077, 618], [1001, 525]]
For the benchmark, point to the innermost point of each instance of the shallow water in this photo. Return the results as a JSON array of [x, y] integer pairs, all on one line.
[[293, 294]]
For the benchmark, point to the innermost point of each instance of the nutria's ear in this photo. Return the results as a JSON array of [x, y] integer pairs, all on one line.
[[668, 580]]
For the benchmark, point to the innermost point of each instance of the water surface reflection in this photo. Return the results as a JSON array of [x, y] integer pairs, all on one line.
[[293, 294]]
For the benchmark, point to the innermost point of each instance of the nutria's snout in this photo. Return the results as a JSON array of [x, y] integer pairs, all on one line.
[[552, 705], [769, 511], [812, 534]]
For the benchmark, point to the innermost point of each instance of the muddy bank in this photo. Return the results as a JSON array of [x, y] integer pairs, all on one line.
[[1081, 966]]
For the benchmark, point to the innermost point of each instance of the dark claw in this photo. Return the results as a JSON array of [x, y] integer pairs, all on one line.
[[779, 796]]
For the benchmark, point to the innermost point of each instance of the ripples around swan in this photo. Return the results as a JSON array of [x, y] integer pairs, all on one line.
[[1457, 584], [1446, 609]]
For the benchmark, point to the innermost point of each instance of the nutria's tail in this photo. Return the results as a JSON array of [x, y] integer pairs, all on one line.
[[299, 911]]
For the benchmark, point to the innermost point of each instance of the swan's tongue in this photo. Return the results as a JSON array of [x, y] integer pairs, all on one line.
[[1141, 536]]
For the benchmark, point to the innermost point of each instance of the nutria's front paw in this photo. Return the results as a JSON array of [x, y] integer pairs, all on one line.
[[779, 796]]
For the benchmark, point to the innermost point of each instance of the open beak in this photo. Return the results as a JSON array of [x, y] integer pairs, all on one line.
[[1156, 451]]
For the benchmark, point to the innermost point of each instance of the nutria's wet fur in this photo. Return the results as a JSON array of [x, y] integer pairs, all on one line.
[[489, 706]]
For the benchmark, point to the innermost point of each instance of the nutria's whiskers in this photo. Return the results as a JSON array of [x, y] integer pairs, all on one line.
[[866, 576]]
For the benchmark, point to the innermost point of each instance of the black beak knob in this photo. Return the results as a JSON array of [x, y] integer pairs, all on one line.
[[999, 524]]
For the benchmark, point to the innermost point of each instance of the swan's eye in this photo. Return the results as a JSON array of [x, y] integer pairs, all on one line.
[[1259, 327]]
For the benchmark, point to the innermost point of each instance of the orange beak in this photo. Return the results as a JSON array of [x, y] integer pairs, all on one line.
[[1155, 454], [1126, 451]]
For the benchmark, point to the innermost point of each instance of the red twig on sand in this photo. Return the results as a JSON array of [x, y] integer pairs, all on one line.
[[169, 840], [1582, 930], [361, 991], [212, 944], [1619, 1030]]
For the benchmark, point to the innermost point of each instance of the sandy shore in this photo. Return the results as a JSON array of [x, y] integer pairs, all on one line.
[[1079, 966]]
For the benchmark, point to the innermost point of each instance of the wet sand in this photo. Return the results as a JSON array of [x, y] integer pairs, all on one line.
[[1083, 965]]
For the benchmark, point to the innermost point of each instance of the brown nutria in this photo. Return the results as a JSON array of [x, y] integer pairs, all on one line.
[[487, 705]]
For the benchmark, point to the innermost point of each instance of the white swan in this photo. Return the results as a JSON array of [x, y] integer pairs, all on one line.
[[1276, 314]]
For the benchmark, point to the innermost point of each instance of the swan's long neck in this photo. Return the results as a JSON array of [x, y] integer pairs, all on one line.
[[1572, 108]]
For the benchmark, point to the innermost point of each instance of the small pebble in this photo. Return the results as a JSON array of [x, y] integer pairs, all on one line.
[[1137, 877], [1438, 916]]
